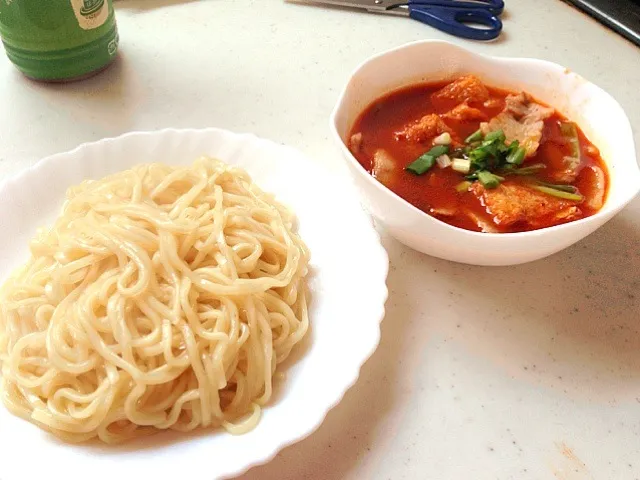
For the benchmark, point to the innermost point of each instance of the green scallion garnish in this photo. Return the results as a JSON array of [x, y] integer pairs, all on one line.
[[488, 179], [439, 150], [517, 156], [561, 187], [576, 197], [528, 170], [495, 136], [426, 161], [422, 164], [461, 165], [474, 137], [484, 158]]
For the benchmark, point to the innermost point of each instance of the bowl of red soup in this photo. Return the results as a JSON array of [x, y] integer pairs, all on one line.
[[483, 160]]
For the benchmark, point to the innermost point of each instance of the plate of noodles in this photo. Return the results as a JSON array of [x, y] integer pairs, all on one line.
[[179, 300]]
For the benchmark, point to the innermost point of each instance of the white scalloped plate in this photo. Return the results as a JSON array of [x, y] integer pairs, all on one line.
[[348, 294]]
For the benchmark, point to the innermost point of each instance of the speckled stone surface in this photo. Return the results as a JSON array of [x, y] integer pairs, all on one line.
[[529, 372]]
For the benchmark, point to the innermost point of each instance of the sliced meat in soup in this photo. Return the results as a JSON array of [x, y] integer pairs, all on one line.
[[522, 119]]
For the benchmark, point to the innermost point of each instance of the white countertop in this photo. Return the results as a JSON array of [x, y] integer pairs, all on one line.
[[529, 372]]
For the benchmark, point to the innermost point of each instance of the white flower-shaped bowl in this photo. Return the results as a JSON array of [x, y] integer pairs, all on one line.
[[599, 115]]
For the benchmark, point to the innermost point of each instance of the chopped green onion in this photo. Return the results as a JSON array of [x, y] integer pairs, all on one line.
[[461, 165], [442, 139], [563, 188], [495, 136], [569, 130], [425, 161], [488, 179], [474, 137], [422, 164], [438, 150], [503, 148], [479, 153], [507, 150], [490, 149], [517, 157], [528, 170], [559, 193], [443, 161], [463, 186], [479, 158]]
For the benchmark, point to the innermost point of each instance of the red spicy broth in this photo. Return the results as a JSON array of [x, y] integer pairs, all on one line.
[[513, 206]]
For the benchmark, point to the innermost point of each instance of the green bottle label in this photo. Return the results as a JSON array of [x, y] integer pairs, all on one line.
[[58, 39], [90, 13]]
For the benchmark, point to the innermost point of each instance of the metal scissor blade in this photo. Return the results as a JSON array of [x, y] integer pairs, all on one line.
[[374, 6]]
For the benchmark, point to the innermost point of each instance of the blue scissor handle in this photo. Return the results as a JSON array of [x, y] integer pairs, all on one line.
[[451, 20], [494, 6]]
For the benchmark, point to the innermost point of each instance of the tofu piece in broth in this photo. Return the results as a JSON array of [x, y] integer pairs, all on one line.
[[514, 203]]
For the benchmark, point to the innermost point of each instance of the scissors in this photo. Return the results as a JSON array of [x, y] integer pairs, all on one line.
[[450, 16]]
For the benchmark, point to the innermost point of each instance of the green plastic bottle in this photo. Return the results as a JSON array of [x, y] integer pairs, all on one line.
[[59, 40]]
